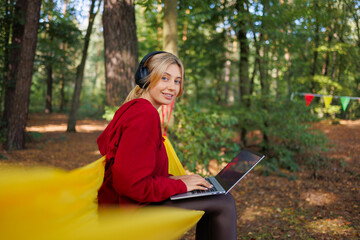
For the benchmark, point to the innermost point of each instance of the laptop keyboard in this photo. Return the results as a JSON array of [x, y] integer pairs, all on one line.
[[213, 189]]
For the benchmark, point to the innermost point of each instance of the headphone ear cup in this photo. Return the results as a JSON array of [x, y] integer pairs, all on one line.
[[140, 76], [142, 72]]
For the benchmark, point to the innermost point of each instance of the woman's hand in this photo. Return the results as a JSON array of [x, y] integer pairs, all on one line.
[[193, 182]]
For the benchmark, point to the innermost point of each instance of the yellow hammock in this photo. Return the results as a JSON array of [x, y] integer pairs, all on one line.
[[175, 166], [46, 203]]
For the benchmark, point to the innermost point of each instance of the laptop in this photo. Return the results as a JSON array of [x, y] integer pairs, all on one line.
[[228, 177]]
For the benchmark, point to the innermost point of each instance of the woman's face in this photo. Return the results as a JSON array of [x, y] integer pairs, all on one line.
[[166, 90]]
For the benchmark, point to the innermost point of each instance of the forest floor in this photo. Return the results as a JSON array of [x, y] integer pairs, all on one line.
[[269, 207]]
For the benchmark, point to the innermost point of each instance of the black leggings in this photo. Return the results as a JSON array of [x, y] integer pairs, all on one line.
[[219, 220]]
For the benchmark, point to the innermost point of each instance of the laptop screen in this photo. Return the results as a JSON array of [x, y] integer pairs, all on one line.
[[238, 168]]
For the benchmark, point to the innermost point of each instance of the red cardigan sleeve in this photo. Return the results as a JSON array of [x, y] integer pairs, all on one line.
[[140, 170]]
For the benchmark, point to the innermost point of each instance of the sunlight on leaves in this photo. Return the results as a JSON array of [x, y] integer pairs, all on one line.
[[318, 198], [251, 213], [334, 226]]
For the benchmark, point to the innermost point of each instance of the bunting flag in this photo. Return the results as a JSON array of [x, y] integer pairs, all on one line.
[[344, 102], [308, 98], [327, 100]]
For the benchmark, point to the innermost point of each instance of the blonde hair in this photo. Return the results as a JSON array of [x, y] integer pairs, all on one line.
[[157, 65]]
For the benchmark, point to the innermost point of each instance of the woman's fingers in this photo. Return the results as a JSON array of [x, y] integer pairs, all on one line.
[[194, 182], [203, 182]]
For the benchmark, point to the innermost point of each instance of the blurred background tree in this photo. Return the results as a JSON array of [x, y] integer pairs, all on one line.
[[23, 26]]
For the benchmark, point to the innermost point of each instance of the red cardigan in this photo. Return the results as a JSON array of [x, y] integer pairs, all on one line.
[[137, 163]]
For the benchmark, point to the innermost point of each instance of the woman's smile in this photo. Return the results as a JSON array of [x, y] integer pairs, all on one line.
[[168, 96]]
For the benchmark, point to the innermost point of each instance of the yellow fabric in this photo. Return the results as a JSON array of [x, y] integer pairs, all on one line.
[[47, 203], [157, 223], [175, 166]]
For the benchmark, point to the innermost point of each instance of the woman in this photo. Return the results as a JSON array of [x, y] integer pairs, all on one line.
[[137, 165]]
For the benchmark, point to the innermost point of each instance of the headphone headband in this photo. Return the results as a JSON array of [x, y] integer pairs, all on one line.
[[142, 72]]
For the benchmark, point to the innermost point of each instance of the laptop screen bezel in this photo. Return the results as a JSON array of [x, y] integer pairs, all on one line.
[[224, 184]]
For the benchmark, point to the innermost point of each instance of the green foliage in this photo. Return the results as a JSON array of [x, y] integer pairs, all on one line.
[[285, 130], [148, 24], [332, 110], [200, 135], [33, 136], [324, 84], [58, 47], [109, 112], [89, 109]]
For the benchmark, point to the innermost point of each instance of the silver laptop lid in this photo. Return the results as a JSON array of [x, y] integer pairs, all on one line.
[[238, 168]]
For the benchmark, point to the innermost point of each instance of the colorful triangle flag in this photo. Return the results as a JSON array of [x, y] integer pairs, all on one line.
[[327, 100], [344, 102], [308, 99]]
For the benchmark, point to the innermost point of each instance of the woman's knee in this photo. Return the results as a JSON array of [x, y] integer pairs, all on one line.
[[228, 201], [220, 205]]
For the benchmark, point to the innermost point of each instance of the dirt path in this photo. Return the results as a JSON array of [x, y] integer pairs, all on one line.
[[57, 147], [272, 207]]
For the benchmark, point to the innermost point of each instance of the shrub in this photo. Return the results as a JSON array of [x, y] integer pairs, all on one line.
[[287, 132], [202, 135], [109, 112]]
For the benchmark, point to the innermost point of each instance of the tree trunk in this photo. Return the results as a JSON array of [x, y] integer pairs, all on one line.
[[62, 93], [49, 83], [244, 80], [227, 71], [49, 67], [288, 69], [316, 44], [325, 68], [159, 23], [263, 55], [6, 28], [121, 49], [62, 79], [333, 66], [170, 26], [20, 104], [256, 63], [75, 103], [16, 40]]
